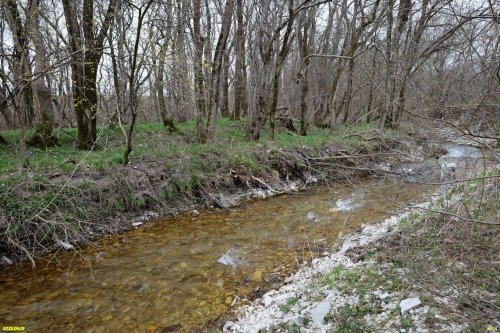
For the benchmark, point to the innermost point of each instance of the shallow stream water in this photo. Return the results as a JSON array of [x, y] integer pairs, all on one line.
[[180, 273]]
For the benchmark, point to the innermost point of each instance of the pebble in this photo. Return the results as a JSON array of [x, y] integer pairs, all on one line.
[[319, 312], [6, 260], [227, 326], [409, 304], [265, 314], [267, 300]]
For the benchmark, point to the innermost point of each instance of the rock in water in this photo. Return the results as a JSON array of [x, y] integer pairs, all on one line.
[[6, 260], [409, 304], [319, 312], [257, 276], [311, 216]]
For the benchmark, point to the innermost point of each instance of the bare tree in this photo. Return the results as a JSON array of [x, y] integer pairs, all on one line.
[[86, 45]]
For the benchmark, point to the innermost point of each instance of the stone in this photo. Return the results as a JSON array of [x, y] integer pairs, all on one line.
[[136, 224], [311, 216], [289, 279], [294, 322], [319, 312], [257, 276], [346, 246], [267, 300], [227, 326], [409, 304], [195, 212], [381, 295], [66, 245], [330, 293], [6, 260]]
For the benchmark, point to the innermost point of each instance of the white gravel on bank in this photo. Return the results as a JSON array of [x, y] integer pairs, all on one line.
[[268, 315]]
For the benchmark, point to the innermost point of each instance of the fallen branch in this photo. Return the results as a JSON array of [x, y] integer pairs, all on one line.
[[347, 156], [266, 185]]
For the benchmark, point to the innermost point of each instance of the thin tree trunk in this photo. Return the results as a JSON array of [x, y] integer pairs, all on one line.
[[225, 112], [304, 84], [198, 71], [160, 85], [217, 63], [278, 69], [240, 94]]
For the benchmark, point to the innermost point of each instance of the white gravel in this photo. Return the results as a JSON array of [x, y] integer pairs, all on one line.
[[267, 315]]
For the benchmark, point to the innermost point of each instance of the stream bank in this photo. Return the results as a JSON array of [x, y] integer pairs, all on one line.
[[188, 271], [52, 210], [431, 268]]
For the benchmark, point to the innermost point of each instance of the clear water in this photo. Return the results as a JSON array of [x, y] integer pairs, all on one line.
[[188, 270]]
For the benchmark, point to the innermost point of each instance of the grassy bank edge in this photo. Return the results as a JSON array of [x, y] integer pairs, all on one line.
[[57, 203]]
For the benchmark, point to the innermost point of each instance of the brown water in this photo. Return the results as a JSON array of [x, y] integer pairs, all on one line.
[[189, 269]]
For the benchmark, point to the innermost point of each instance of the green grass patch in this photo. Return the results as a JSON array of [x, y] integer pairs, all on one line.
[[152, 140]]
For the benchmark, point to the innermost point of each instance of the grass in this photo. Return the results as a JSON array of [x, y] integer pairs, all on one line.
[[290, 302], [41, 204], [362, 281], [152, 141], [461, 253]]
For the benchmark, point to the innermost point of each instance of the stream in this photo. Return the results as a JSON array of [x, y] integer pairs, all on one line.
[[179, 273]]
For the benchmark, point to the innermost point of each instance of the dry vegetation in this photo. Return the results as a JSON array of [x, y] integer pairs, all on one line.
[[450, 253]]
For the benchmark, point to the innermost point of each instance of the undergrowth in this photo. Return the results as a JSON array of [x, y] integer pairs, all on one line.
[[458, 240], [67, 195]]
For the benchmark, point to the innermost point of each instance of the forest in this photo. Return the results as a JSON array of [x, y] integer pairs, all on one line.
[[324, 63]]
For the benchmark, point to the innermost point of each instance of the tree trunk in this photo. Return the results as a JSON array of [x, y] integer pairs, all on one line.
[[21, 65], [44, 135], [389, 66], [285, 47], [199, 93], [303, 40], [372, 88], [240, 94], [86, 47], [220, 49], [225, 87], [167, 121]]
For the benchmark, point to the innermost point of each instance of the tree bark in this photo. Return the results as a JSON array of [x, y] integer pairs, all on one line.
[[199, 93], [217, 63], [285, 47], [240, 93], [303, 41], [86, 47], [160, 86], [224, 109]]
